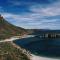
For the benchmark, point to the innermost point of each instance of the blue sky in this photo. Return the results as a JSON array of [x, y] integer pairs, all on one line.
[[29, 14]]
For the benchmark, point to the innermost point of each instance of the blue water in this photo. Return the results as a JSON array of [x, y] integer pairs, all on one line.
[[41, 46]]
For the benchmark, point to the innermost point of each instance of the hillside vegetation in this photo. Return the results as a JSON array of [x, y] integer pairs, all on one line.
[[9, 52], [7, 30]]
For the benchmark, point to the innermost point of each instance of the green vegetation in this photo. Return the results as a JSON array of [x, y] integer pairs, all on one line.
[[9, 52]]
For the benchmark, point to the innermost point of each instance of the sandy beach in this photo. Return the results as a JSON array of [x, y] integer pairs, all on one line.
[[34, 57], [16, 37]]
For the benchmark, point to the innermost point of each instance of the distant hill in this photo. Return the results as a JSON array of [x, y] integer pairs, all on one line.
[[7, 29], [41, 31]]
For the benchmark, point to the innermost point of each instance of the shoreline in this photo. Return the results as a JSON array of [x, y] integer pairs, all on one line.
[[15, 38], [29, 55], [24, 51], [34, 57]]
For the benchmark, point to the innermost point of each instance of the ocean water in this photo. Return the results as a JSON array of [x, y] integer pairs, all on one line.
[[47, 47]]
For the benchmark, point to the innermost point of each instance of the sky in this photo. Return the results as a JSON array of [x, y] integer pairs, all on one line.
[[32, 14]]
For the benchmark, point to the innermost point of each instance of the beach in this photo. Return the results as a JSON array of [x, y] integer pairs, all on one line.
[[34, 57], [16, 37]]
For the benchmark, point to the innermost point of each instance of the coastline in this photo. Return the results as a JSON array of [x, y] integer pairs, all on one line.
[[15, 38], [24, 51], [34, 57], [29, 55]]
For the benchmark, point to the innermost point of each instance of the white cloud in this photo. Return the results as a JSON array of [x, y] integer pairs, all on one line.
[[30, 21], [36, 19], [50, 10]]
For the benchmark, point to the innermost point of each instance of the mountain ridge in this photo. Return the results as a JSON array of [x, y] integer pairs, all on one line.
[[7, 29]]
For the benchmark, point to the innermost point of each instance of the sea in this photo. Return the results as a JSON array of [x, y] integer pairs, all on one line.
[[45, 47]]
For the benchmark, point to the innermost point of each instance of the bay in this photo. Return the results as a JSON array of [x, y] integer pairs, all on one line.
[[48, 47]]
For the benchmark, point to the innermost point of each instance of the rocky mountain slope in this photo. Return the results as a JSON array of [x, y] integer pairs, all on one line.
[[7, 30]]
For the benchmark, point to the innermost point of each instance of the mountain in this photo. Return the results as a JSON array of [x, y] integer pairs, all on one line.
[[7, 29], [42, 31]]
